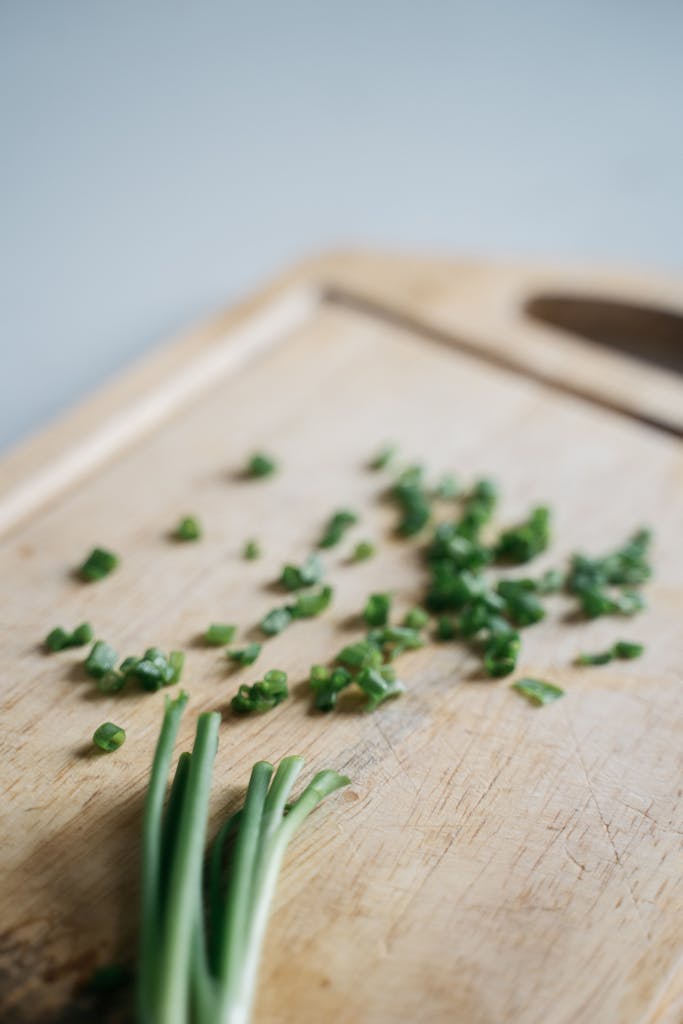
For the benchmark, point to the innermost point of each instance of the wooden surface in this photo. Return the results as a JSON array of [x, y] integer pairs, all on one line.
[[492, 861]]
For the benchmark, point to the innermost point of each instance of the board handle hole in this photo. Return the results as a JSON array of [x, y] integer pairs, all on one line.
[[645, 332]]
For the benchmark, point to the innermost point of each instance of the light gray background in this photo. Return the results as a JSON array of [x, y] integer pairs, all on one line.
[[159, 158]]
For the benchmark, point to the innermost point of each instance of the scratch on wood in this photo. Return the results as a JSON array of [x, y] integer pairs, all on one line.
[[617, 858]]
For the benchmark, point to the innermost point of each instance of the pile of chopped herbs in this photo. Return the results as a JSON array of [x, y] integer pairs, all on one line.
[[470, 595], [488, 612]]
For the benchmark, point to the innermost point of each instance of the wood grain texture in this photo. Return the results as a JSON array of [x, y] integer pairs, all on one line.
[[492, 861]]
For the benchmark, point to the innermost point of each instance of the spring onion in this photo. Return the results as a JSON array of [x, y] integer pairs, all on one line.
[[378, 685], [219, 634], [260, 465], [538, 691], [411, 495], [275, 621], [524, 542], [624, 649], [102, 658], [447, 488], [337, 526], [296, 577], [154, 669], [111, 681], [98, 564], [363, 550], [394, 640], [263, 695], [188, 529], [327, 684], [598, 583], [199, 960], [246, 655], [501, 651], [416, 618], [59, 639], [522, 606], [251, 550], [446, 628], [313, 603], [384, 456], [109, 737], [377, 608]]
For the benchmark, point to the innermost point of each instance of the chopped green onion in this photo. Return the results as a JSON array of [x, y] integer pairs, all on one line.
[[450, 553], [378, 685], [599, 658], [522, 606], [154, 670], [247, 655], [219, 634], [363, 654], [362, 551], [109, 737], [475, 617], [252, 550], [327, 684], [311, 604], [551, 581], [275, 621], [394, 640], [538, 691], [447, 488], [102, 658], [59, 639], [263, 695], [452, 589], [384, 456], [627, 649], [295, 577], [416, 618], [111, 682], [446, 628], [337, 526], [590, 578], [98, 564], [624, 649], [377, 608], [524, 542], [596, 602], [479, 508], [260, 465], [411, 496], [306, 606], [188, 529], [501, 652]]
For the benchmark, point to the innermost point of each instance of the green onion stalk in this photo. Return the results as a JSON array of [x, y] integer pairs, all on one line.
[[202, 967]]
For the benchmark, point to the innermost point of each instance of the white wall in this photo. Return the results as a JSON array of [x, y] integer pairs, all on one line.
[[159, 158]]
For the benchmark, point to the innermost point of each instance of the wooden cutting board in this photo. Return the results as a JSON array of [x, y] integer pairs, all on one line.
[[492, 862]]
